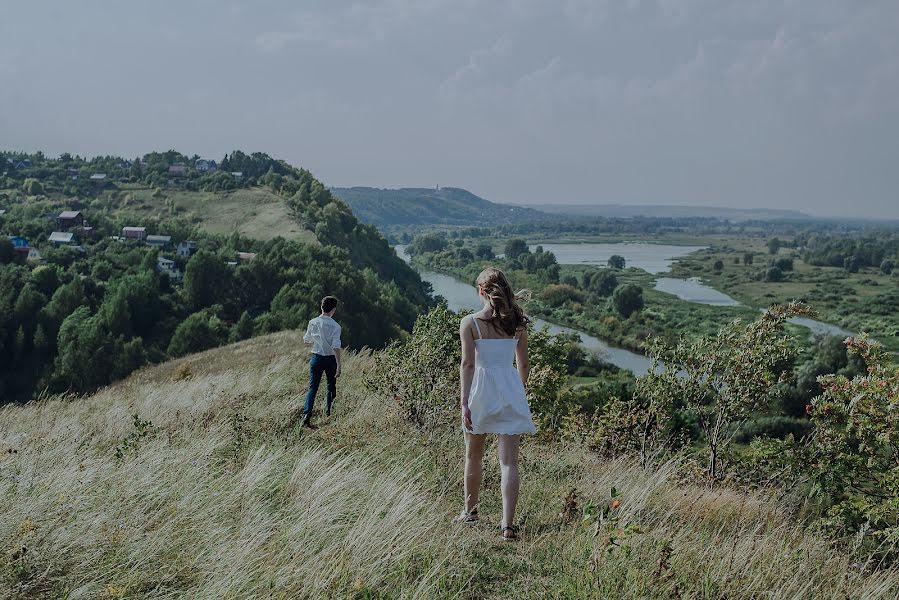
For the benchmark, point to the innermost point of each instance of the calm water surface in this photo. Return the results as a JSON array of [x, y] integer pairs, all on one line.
[[463, 296], [653, 258]]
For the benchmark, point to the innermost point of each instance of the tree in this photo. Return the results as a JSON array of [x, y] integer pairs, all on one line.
[[721, 379], [197, 332], [428, 242], [774, 245], [558, 294], [858, 447], [718, 266], [32, 187], [627, 299], [852, 264], [774, 274], [7, 251], [886, 266], [602, 283], [206, 279], [484, 250], [515, 248], [616, 261], [244, 327], [747, 258]]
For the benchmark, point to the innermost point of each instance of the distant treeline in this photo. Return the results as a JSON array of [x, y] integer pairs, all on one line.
[[879, 250]]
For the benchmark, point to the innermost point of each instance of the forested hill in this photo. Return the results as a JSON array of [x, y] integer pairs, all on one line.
[[107, 263], [444, 206]]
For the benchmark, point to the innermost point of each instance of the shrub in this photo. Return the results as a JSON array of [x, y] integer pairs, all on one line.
[[774, 274], [420, 374], [772, 426], [616, 261], [557, 294], [720, 379], [856, 433], [628, 299]]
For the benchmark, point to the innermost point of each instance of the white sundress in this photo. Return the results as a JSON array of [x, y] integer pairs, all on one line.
[[497, 400]]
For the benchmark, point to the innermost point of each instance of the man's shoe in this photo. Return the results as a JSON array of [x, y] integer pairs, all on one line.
[[308, 423]]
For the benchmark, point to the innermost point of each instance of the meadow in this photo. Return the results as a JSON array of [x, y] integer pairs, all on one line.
[[192, 479]]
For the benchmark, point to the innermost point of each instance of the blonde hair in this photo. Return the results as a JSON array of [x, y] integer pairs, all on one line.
[[506, 312]]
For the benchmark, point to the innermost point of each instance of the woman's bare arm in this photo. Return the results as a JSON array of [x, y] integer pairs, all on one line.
[[522, 363], [466, 369]]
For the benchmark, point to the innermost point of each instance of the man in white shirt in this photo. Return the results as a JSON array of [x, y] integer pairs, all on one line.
[[323, 332]]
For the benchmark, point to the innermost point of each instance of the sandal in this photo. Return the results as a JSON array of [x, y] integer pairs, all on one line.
[[466, 517], [513, 534]]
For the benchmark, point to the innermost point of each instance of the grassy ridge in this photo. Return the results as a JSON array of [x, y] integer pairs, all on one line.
[[223, 496], [256, 213]]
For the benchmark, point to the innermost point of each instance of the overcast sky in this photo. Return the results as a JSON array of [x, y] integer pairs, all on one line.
[[754, 103]]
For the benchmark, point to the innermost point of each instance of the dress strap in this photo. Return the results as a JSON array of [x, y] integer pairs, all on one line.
[[474, 320]]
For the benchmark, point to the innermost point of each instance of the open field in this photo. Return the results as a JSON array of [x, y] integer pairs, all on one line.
[[256, 212], [864, 301], [212, 491]]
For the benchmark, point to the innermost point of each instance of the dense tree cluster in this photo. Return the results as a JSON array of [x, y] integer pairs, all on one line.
[[93, 313], [852, 252]]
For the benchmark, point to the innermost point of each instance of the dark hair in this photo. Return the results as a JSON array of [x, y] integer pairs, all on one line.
[[506, 313], [329, 303]]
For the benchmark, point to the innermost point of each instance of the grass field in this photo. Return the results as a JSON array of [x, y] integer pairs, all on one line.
[[864, 301], [212, 491], [256, 212]]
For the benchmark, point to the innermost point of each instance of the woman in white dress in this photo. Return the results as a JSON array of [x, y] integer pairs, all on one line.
[[493, 395]]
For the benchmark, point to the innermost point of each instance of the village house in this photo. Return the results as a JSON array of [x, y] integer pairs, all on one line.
[[167, 266], [236, 174], [62, 238], [159, 241], [72, 173], [98, 179], [186, 249], [206, 166], [35, 256], [134, 233], [245, 256], [69, 218], [178, 170], [18, 241], [2, 212]]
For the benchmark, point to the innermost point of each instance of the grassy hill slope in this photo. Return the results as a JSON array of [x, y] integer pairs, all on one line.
[[223, 496], [256, 213], [446, 206]]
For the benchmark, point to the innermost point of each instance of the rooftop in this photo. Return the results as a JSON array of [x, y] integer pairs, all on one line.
[[61, 236], [69, 214]]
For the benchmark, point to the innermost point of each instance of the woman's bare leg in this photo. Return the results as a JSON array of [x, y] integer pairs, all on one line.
[[474, 468], [508, 464]]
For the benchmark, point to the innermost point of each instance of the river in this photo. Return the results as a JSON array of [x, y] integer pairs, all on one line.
[[463, 296]]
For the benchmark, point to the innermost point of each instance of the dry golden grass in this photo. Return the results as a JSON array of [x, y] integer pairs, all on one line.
[[224, 496]]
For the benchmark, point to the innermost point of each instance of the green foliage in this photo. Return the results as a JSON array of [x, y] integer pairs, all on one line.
[[206, 280], [774, 274], [627, 299], [428, 242], [616, 261], [858, 443], [557, 294], [32, 187], [199, 331], [886, 266], [719, 265], [721, 380], [774, 245], [129, 443], [515, 247], [420, 374]]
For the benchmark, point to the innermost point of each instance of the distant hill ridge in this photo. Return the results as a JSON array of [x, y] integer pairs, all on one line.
[[671, 211], [432, 206]]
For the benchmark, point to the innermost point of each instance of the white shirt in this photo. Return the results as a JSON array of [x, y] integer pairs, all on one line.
[[323, 333]]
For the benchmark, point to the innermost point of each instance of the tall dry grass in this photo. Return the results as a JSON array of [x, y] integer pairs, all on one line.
[[224, 496]]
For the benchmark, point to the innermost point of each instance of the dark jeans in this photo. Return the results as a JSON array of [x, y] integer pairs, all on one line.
[[318, 365]]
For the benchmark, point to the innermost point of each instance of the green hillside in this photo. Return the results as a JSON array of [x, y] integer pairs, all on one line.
[[82, 304], [192, 479], [426, 206]]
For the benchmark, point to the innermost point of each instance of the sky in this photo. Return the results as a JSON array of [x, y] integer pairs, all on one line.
[[788, 104]]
